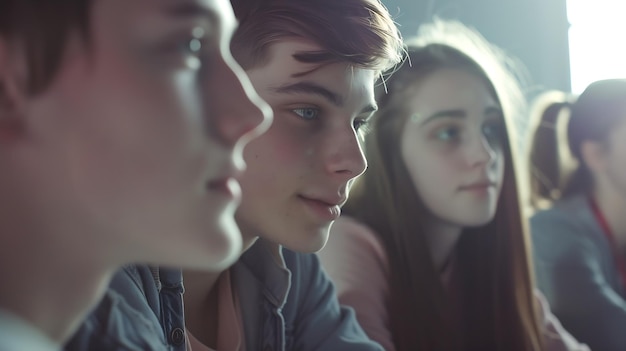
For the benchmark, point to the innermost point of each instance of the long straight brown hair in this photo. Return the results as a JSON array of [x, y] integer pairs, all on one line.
[[499, 312]]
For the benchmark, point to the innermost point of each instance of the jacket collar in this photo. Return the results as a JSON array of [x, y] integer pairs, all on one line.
[[265, 262]]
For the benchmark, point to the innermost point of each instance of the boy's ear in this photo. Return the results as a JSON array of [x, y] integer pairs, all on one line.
[[12, 94]]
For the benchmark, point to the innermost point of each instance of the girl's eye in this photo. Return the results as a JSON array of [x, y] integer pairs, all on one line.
[[493, 132], [448, 134], [307, 113]]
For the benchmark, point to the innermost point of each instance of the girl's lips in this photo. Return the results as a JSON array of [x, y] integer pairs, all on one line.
[[479, 189], [478, 186]]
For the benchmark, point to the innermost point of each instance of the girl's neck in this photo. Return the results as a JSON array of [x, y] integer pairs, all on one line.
[[442, 238], [612, 204]]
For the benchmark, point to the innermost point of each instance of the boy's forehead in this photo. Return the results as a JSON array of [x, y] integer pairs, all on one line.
[[213, 10], [338, 84], [122, 23], [294, 48], [286, 49]]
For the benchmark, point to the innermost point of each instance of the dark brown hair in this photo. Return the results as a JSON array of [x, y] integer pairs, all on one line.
[[493, 269], [360, 32], [41, 29]]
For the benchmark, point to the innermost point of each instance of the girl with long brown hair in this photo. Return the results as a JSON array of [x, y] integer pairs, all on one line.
[[433, 254]]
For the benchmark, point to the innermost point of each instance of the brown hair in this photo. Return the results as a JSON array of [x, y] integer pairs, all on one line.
[[494, 272], [556, 164], [42, 28], [360, 32], [550, 162]]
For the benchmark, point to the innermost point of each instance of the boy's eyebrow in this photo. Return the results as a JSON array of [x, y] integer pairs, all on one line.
[[191, 9], [311, 88]]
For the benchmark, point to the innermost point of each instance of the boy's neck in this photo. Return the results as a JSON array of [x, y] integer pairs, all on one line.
[[47, 288], [201, 300]]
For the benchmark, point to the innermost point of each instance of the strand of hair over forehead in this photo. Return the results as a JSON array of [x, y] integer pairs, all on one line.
[[505, 73], [381, 57]]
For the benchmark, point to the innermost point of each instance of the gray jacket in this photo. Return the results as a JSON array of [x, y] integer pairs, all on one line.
[[287, 302], [576, 271], [293, 306], [142, 310]]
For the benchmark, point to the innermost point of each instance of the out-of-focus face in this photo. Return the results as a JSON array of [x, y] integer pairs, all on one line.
[[452, 146], [137, 144], [299, 172]]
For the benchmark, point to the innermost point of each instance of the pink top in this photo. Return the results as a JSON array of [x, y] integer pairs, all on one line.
[[230, 326], [357, 263]]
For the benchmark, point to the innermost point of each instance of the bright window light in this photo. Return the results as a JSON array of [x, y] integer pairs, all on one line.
[[596, 41]]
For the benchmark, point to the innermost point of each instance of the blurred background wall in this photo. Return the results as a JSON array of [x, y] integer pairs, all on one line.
[[533, 31]]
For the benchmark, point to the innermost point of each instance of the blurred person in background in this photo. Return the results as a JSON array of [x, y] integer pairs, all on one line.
[[579, 229]]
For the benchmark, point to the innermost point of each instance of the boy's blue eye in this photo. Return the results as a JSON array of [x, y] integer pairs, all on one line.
[[187, 47], [192, 47], [194, 44], [307, 113], [182, 50]]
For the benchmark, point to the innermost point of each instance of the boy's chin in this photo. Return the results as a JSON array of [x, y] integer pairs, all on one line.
[[308, 242]]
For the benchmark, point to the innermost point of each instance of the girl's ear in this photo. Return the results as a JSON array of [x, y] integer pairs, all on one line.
[[12, 94], [593, 155]]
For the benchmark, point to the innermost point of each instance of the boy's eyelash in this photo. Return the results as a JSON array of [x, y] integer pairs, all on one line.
[[302, 109], [360, 125], [192, 42]]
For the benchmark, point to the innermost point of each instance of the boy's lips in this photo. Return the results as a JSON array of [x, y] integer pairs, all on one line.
[[228, 186], [325, 208], [329, 200]]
